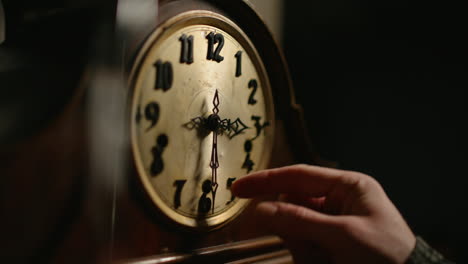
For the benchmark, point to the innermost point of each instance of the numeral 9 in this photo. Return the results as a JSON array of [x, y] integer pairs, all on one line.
[[152, 114]]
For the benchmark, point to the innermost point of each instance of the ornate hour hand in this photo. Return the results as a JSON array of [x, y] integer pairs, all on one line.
[[213, 123], [233, 128]]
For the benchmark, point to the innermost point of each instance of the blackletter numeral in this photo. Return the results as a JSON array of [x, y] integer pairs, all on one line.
[[164, 75], [157, 166], [238, 63], [258, 126], [204, 204], [254, 85], [248, 163], [186, 51], [212, 53], [228, 185], [179, 184], [152, 114]]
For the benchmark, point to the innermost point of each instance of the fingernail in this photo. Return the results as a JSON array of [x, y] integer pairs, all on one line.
[[267, 209]]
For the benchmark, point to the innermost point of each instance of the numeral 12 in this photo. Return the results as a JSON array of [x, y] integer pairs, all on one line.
[[212, 53]]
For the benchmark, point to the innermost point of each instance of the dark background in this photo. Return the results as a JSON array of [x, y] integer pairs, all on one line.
[[383, 87]]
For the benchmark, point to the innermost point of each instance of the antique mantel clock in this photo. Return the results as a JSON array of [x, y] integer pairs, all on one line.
[[202, 116], [209, 101]]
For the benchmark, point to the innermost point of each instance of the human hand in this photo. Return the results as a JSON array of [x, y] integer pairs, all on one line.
[[344, 215]]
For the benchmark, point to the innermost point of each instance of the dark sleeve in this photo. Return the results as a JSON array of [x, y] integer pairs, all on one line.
[[424, 254]]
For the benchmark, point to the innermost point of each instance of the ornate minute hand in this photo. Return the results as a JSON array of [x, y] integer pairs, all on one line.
[[213, 124]]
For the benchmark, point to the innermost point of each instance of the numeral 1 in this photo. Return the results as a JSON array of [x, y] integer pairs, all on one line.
[[186, 51], [164, 75], [179, 184], [212, 53], [238, 63]]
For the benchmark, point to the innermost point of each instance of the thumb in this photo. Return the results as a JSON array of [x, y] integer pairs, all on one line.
[[294, 222]]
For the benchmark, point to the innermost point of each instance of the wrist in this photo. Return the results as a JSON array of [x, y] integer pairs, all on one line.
[[424, 254]]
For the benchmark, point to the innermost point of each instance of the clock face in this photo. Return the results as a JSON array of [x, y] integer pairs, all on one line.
[[201, 117]]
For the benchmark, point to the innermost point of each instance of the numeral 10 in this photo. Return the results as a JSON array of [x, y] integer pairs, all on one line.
[[164, 75]]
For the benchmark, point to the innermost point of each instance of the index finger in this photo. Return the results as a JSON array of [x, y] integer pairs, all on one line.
[[297, 179]]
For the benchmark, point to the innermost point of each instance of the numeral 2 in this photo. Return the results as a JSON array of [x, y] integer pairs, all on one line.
[[179, 184], [186, 51], [212, 40], [253, 84], [164, 75]]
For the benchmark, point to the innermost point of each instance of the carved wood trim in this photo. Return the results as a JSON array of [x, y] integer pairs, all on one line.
[[277, 257], [269, 249]]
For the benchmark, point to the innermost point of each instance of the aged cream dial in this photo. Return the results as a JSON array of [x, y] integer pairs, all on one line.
[[201, 117]]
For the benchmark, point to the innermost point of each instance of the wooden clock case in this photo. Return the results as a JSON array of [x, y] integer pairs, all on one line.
[[82, 221]]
